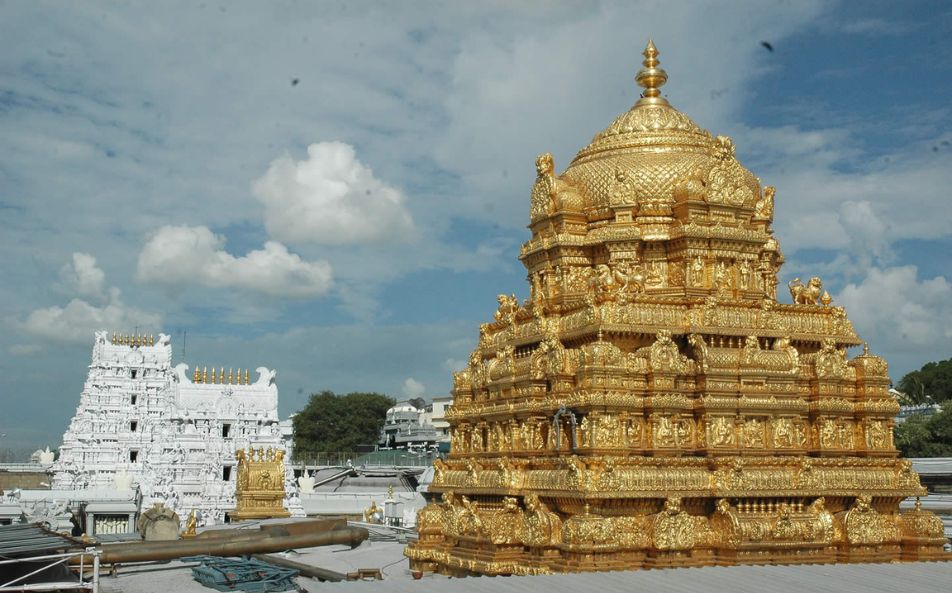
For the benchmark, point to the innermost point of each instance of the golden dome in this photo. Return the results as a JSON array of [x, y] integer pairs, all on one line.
[[647, 151]]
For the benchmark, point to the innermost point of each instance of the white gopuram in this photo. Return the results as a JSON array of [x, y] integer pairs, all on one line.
[[143, 424]]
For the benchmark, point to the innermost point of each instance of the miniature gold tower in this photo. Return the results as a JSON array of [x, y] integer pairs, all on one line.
[[651, 403], [259, 487]]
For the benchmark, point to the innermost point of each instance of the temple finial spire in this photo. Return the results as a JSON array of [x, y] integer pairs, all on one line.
[[651, 78]]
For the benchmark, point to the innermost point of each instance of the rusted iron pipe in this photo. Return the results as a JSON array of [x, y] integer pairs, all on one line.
[[311, 526], [234, 534], [315, 572], [170, 550], [295, 528]]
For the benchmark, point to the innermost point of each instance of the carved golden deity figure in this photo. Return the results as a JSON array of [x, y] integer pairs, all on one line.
[[652, 403]]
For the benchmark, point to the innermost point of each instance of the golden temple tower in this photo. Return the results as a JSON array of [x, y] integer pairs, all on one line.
[[652, 403]]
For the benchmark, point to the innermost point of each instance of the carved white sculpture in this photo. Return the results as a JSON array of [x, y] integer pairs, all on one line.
[[142, 420], [47, 457], [306, 484], [265, 376], [123, 481], [44, 511]]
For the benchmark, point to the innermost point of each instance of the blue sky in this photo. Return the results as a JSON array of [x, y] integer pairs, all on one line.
[[160, 168]]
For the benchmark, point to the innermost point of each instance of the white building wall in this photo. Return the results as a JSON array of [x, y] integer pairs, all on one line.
[[141, 420], [440, 405]]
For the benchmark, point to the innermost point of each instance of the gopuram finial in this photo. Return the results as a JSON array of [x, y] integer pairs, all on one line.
[[651, 78]]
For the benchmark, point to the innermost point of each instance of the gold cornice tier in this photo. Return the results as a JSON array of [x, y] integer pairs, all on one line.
[[651, 403]]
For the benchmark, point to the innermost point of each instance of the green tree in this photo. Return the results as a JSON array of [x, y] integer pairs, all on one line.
[[926, 436], [930, 384], [331, 422], [912, 436]]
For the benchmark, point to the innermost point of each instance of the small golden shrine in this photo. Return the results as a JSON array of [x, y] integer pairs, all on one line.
[[651, 403], [259, 489]]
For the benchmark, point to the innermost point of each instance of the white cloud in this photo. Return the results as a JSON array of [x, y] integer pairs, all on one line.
[[84, 277], [454, 364], [182, 255], [832, 196], [413, 388], [514, 96], [79, 319], [331, 198], [58, 148], [93, 308], [877, 26], [891, 307], [868, 233], [24, 349]]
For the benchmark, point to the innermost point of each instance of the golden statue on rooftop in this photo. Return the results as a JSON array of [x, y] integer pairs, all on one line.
[[259, 487], [651, 403]]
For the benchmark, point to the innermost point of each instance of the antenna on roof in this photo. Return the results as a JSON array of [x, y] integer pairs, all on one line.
[[184, 339]]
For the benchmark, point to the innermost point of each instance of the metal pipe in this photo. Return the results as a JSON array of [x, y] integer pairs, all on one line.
[[232, 535], [295, 528], [348, 472], [151, 551], [315, 572], [95, 571], [302, 527], [7, 586]]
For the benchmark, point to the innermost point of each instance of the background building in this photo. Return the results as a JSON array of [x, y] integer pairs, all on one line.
[[408, 426]]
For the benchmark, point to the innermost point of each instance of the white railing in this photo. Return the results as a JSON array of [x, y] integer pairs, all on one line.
[[25, 467]]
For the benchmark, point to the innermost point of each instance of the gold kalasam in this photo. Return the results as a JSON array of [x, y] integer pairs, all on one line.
[[651, 403]]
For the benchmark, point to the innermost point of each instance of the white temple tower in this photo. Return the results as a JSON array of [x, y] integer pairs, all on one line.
[[142, 423]]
